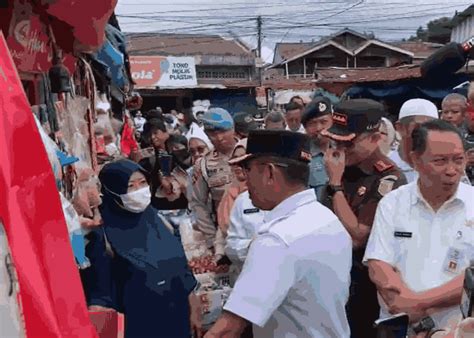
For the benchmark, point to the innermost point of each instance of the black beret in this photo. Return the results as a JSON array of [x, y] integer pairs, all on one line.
[[320, 106]]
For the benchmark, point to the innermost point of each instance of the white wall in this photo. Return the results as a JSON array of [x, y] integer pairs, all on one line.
[[464, 30]]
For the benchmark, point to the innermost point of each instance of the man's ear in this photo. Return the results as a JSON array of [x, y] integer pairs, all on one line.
[[376, 137], [398, 126], [415, 159]]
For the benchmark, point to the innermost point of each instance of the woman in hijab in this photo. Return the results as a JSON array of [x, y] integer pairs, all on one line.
[[149, 276]]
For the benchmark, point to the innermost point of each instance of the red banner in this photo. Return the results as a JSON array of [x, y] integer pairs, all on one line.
[[51, 294], [29, 43]]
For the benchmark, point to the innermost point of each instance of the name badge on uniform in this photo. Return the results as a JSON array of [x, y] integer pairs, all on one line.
[[453, 260], [251, 211], [403, 234]]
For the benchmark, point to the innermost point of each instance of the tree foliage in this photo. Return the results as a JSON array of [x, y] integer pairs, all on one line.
[[436, 31]]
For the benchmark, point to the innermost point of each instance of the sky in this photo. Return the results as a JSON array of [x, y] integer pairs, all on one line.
[[283, 20]]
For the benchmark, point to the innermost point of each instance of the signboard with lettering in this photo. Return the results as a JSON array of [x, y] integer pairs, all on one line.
[[163, 72], [29, 42]]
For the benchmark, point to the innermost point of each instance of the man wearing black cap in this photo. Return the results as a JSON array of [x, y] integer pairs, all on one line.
[[295, 280], [243, 124], [317, 117], [359, 176]]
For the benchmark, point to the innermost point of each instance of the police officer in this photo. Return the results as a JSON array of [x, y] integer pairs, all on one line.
[[317, 116], [295, 280], [212, 173], [359, 176]]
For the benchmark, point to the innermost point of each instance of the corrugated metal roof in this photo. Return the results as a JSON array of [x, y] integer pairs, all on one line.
[[346, 75], [421, 49], [367, 74], [460, 17], [185, 45]]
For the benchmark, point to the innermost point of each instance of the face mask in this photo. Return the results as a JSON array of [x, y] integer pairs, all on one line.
[[137, 201]]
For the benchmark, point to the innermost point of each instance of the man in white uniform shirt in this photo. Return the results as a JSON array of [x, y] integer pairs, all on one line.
[[423, 234], [412, 113], [245, 220], [295, 280]]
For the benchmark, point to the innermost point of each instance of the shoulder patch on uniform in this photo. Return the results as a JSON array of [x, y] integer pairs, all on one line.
[[251, 211], [386, 184], [382, 166]]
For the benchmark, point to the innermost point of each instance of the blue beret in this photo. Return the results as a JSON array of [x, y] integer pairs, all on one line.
[[217, 119]]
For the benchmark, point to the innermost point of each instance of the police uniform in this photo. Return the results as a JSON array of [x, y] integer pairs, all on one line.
[[296, 277], [363, 190], [318, 177], [212, 175]]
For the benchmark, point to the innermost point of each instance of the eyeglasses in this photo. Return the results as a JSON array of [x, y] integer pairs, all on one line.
[[197, 150]]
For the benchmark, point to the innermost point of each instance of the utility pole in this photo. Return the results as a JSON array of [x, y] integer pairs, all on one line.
[[259, 33], [259, 49], [259, 60]]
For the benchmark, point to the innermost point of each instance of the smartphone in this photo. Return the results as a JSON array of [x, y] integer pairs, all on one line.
[[392, 327]]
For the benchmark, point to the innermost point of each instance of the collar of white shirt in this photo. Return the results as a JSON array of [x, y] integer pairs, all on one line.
[[300, 130], [287, 206], [462, 194]]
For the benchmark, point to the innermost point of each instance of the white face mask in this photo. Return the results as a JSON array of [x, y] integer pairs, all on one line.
[[137, 201]]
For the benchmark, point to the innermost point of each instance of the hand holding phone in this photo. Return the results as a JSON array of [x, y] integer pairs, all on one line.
[[392, 327]]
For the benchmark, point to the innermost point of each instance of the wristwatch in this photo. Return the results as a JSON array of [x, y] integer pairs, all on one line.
[[332, 189], [425, 325]]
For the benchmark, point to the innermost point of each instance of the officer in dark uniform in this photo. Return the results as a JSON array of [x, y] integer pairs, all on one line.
[[359, 176]]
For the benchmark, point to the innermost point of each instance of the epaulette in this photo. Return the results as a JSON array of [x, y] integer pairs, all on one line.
[[382, 166]]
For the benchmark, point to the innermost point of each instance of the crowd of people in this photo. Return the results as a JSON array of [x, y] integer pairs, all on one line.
[[331, 215]]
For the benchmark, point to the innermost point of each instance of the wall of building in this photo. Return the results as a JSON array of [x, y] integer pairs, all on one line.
[[464, 30]]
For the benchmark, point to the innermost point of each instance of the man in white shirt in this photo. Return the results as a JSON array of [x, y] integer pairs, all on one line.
[[293, 115], [245, 219], [139, 121], [423, 236], [295, 280], [412, 113]]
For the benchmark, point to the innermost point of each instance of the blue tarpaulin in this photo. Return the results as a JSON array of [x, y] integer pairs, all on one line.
[[406, 89]]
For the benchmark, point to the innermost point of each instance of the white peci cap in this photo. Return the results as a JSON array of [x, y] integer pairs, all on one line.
[[418, 107]]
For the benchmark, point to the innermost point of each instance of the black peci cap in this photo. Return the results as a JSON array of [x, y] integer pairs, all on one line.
[[278, 143], [352, 117]]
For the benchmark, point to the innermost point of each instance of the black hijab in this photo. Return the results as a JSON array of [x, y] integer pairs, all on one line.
[[141, 238]]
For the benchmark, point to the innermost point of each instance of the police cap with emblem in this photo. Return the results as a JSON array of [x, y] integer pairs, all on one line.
[[320, 106], [244, 123], [217, 119], [353, 117], [278, 143]]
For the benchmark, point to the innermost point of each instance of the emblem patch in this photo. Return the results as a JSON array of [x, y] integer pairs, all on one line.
[[386, 184], [361, 191], [322, 107], [340, 119]]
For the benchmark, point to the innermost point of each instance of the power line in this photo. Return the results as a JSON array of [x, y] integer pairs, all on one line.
[[330, 16]]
